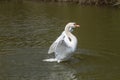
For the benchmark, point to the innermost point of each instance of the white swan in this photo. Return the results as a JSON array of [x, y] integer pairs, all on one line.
[[65, 44]]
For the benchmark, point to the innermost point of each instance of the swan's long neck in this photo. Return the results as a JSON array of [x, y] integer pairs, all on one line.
[[71, 37], [69, 34]]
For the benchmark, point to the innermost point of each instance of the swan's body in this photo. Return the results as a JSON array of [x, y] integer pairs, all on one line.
[[65, 44]]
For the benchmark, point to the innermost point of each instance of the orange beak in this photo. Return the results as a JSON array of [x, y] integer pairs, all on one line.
[[77, 25]]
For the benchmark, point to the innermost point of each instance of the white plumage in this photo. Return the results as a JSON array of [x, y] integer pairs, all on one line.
[[65, 44]]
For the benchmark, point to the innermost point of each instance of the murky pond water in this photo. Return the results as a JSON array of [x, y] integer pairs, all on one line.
[[27, 29]]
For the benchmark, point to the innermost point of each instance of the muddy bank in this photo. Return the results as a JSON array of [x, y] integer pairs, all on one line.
[[80, 2], [86, 2]]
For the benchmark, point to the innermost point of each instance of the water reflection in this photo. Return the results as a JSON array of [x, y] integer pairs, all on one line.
[[27, 29], [61, 71]]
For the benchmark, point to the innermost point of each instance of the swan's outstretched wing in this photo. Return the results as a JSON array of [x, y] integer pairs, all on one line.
[[56, 43], [52, 47], [62, 47]]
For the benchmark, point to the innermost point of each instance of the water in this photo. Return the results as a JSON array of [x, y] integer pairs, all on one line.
[[28, 28]]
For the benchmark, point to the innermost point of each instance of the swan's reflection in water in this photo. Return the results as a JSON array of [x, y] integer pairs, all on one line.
[[62, 72], [69, 70]]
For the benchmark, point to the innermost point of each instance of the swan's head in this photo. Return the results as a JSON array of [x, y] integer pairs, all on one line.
[[70, 26]]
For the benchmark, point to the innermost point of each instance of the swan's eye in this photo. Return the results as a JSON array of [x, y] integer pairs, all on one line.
[[74, 24]]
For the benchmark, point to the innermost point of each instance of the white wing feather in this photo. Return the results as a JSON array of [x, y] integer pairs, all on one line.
[[55, 43]]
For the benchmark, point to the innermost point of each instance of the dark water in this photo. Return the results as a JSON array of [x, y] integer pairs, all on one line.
[[27, 29]]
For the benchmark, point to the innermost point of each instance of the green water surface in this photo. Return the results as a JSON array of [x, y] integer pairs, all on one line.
[[28, 28]]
